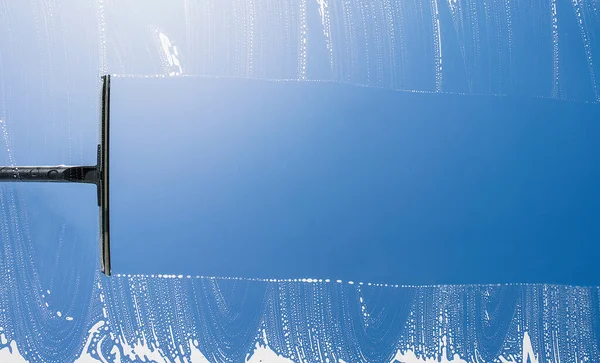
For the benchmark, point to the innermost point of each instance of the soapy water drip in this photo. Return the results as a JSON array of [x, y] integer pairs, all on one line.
[[488, 47]]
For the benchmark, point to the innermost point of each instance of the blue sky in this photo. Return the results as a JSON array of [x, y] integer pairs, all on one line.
[[259, 179], [405, 143]]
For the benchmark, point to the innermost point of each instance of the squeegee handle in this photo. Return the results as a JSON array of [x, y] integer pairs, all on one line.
[[58, 174]]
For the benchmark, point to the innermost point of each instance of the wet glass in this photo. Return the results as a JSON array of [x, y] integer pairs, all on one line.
[[304, 181]]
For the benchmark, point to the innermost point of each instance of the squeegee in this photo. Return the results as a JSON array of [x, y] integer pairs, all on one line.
[[97, 174]]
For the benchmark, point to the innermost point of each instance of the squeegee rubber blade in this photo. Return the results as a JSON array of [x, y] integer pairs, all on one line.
[[103, 164]]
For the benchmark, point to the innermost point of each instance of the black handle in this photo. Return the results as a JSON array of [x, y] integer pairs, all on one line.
[[57, 174]]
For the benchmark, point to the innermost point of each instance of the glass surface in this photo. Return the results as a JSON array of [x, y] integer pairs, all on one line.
[[373, 181], [265, 179]]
